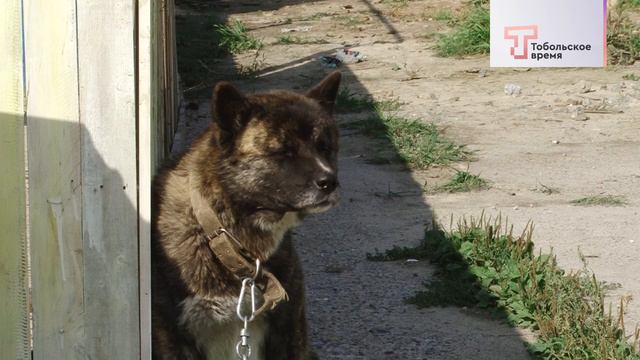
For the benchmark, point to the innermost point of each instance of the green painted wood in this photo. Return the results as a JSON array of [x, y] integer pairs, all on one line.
[[14, 331]]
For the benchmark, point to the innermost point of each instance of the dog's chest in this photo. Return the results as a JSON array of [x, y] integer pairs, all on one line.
[[216, 328]]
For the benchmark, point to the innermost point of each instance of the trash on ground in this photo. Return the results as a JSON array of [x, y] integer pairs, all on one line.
[[329, 61], [584, 87], [512, 89], [350, 56], [341, 56], [296, 29], [577, 112]]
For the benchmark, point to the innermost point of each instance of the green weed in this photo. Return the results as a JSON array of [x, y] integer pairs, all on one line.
[[347, 102], [235, 38], [471, 36], [295, 40], [418, 144], [396, 3], [631, 76], [463, 181], [484, 264], [623, 35], [443, 15], [601, 200], [253, 68]]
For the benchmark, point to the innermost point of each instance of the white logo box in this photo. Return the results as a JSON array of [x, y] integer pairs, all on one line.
[[557, 33]]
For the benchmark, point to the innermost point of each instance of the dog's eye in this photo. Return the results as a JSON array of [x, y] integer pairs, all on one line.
[[322, 146], [286, 151]]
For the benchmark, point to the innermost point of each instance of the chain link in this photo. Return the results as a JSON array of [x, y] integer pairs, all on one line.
[[243, 348]]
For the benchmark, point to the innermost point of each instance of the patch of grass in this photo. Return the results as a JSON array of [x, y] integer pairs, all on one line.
[[631, 76], [464, 181], [483, 264], [235, 38], [396, 3], [295, 40], [386, 105], [402, 2], [351, 20], [418, 144], [316, 16], [471, 36], [287, 40], [347, 101], [421, 145], [253, 68], [601, 200], [443, 15], [479, 2], [623, 35]]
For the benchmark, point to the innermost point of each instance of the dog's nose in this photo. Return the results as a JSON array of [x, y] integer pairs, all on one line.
[[327, 182]]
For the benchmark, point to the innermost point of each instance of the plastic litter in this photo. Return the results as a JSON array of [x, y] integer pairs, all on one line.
[[342, 56], [329, 61], [512, 89], [350, 56], [577, 112], [296, 29]]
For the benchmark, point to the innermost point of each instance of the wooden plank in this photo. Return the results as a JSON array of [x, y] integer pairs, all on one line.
[[54, 179], [147, 164], [107, 90], [161, 59], [169, 75], [172, 76], [157, 120], [14, 332]]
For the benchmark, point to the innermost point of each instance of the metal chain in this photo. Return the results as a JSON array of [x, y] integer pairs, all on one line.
[[243, 348]]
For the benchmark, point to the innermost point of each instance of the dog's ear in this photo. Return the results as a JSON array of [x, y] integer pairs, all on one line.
[[326, 91], [230, 111]]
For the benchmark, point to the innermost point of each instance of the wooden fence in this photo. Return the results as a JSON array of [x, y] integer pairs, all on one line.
[[92, 85]]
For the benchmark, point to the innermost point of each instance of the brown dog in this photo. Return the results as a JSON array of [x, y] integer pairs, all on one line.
[[265, 162]]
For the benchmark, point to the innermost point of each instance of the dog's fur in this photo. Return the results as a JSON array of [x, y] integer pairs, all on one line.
[[265, 162]]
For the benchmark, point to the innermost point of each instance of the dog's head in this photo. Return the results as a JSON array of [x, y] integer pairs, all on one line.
[[279, 149]]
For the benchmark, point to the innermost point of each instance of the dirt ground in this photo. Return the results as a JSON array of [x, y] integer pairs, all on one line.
[[522, 144]]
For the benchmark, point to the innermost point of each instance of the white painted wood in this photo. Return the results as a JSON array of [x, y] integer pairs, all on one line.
[[107, 94], [54, 179], [98, 108], [14, 331], [147, 163]]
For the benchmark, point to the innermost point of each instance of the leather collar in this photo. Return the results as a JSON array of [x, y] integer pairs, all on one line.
[[232, 254]]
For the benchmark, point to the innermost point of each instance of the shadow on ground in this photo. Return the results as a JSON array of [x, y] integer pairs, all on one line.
[[357, 308]]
